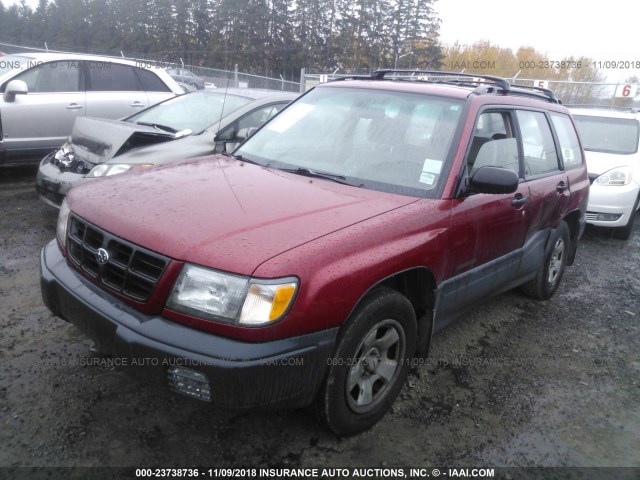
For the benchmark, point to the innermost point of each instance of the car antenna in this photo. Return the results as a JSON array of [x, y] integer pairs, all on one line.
[[224, 101]]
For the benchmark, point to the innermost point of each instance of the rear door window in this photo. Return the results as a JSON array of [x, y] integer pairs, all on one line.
[[540, 156], [111, 77]]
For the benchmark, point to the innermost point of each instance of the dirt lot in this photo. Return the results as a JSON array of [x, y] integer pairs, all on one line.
[[513, 383]]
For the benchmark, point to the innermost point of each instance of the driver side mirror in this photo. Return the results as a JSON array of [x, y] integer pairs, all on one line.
[[225, 140], [228, 139], [15, 87], [494, 180], [225, 135]]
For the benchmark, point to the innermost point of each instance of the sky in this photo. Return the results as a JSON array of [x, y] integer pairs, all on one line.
[[606, 31]]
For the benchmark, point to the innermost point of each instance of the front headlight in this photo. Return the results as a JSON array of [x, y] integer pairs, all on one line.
[[63, 221], [65, 154], [616, 176], [213, 295], [108, 169]]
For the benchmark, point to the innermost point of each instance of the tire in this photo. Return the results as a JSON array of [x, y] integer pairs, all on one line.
[[549, 275], [624, 233], [370, 364]]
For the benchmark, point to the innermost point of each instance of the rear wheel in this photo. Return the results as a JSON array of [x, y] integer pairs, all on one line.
[[370, 365], [547, 279], [624, 233]]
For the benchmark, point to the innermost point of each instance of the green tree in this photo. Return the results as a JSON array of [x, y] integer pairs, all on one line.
[[272, 36]]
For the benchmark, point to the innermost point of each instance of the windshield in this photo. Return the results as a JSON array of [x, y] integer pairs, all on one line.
[[13, 62], [382, 140], [608, 135], [195, 111]]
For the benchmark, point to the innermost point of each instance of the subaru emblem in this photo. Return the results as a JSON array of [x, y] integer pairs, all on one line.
[[102, 256]]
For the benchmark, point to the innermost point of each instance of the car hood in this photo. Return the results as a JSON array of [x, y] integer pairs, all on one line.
[[224, 213], [96, 140], [599, 162]]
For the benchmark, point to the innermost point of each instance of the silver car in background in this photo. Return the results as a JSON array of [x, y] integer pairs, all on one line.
[[182, 75], [44, 93], [191, 125]]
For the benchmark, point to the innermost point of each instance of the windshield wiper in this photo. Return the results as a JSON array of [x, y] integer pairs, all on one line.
[[157, 126], [240, 157], [307, 172]]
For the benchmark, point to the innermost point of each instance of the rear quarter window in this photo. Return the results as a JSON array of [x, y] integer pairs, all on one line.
[[568, 139], [150, 81]]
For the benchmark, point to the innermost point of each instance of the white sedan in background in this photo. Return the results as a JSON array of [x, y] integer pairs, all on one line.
[[611, 139]]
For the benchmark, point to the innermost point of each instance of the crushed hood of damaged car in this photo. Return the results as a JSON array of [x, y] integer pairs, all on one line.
[[95, 140], [179, 128]]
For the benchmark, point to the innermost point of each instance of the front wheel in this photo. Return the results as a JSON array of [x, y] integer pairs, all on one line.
[[370, 365], [547, 279]]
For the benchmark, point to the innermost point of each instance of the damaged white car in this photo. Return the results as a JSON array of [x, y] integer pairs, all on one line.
[[192, 125]]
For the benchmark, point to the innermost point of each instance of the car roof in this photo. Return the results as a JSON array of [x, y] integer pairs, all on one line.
[[53, 56], [59, 56], [253, 93], [412, 87], [453, 84], [262, 98]]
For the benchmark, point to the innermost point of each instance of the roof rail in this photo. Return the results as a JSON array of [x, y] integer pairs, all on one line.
[[483, 84], [498, 81], [545, 91]]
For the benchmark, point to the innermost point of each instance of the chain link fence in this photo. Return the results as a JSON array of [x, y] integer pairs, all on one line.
[[570, 93], [589, 93], [213, 77]]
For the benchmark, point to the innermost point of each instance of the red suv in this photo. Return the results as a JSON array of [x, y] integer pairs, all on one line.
[[316, 261]]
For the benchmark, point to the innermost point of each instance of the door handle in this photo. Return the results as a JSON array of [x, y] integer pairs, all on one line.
[[518, 201], [74, 106], [137, 104], [561, 187]]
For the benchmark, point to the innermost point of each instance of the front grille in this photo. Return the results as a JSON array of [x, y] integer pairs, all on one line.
[[129, 270], [592, 216]]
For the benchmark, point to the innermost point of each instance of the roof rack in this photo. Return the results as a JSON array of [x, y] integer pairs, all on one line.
[[483, 84], [498, 81]]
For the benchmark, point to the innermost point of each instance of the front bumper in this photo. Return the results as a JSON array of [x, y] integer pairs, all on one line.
[[279, 373], [608, 201], [53, 184]]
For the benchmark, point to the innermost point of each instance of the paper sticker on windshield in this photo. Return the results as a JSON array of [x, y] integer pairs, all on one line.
[[290, 117], [427, 178], [432, 166]]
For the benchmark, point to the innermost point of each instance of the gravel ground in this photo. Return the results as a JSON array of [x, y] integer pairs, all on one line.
[[513, 383]]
